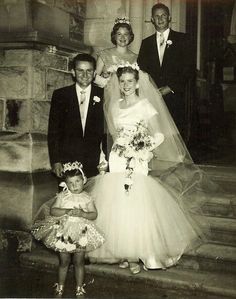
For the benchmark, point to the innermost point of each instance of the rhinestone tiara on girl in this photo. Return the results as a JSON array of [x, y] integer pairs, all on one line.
[[72, 166], [122, 21], [75, 166]]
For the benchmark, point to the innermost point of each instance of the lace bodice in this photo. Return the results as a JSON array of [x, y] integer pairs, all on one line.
[[110, 57], [68, 200]]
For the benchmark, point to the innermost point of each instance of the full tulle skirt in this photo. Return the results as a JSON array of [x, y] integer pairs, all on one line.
[[144, 224], [68, 234]]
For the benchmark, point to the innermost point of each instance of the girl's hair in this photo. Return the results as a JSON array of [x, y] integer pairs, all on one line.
[[72, 173], [127, 69], [116, 27]]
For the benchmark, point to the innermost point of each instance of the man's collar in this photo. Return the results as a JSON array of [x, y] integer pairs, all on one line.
[[165, 33], [87, 89]]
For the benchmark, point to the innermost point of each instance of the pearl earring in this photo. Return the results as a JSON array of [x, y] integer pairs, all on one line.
[[137, 86]]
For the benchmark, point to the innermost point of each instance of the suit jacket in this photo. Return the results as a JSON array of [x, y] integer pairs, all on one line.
[[176, 65], [176, 70], [66, 142]]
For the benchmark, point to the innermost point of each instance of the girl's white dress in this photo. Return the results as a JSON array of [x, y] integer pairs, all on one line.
[[67, 233], [147, 222]]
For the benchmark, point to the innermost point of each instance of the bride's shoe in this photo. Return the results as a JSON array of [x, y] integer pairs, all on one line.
[[134, 268], [124, 264]]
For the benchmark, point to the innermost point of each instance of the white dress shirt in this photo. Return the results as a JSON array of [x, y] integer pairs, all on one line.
[[86, 102], [86, 105], [165, 34]]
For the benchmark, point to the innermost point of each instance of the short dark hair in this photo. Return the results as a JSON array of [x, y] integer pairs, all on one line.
[[116, 27], [160, 6], [72, 173], [83, 57]]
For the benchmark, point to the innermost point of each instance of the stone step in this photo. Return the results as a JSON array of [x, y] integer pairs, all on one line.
[[221, 285], [223, 230], [225, 176], [222, 206], [210, 257]]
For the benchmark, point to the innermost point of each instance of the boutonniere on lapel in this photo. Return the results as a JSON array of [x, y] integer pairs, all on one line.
[[169, 43], [96, 100]]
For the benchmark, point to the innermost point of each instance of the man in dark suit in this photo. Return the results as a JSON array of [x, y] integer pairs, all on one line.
[[166, 57], [76, 120]]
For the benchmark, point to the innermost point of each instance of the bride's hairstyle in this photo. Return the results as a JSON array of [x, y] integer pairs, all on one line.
[[127, 69], [119, 25]]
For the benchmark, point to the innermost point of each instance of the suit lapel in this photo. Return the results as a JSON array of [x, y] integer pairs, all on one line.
[[155, 51], [167, 52], [75, 108], [90, 110]]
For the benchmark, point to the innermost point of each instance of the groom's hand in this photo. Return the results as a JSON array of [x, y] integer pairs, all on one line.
[[102, 167], [164, 90], [57, 168]]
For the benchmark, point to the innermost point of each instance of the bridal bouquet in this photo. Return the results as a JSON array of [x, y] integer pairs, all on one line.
[[135, 145]]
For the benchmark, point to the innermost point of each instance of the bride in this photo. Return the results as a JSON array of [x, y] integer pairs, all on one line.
[[143, 218]]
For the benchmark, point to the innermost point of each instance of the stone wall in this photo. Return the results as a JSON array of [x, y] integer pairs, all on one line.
[[27, 80], [38, 39]]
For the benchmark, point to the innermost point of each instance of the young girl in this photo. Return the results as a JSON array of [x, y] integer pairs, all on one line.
[[69, 229]]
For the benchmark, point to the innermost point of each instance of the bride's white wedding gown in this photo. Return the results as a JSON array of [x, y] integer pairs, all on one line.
[[147, 223]]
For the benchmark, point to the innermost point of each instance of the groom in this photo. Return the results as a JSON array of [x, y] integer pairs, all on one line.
[[166, 56], [76, 121]]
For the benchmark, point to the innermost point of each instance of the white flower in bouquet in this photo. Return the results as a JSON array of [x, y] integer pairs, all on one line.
[[60, 245], [121, 140], [70, 247], [59, 234], [83, 241], [135, 144], [129, 153]]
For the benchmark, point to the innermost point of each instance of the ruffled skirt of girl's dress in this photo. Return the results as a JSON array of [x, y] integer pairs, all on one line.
[[147, 223], [68, 234]]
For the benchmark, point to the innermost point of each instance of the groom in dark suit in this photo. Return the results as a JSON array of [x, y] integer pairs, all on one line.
[[76, 121], [166, 57]]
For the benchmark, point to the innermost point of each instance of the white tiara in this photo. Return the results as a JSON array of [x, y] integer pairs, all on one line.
[[75, 166], [72, 166], [122, 21], [134, 65], [113, 68]]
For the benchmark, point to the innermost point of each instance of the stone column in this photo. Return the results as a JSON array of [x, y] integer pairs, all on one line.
[[99, 21], [27, 79], [36, 47], [136, 18]]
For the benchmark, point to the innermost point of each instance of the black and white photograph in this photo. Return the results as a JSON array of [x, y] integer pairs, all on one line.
[[118, 149]]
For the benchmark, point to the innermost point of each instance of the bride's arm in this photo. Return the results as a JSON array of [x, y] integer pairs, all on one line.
[[154, 129]]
